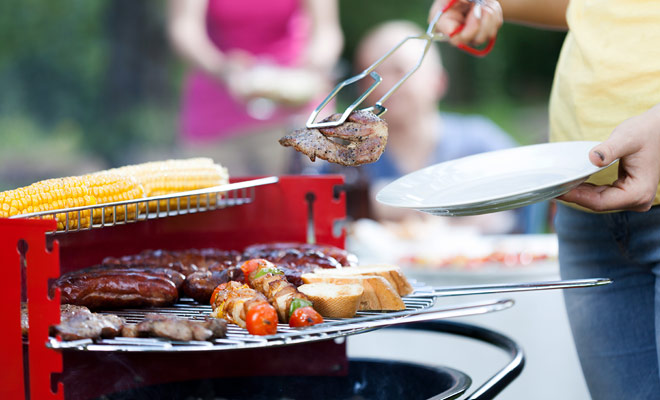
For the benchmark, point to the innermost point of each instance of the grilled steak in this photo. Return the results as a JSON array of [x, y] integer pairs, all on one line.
[[158, 325], [80, 323], [365, 133], [67, 311]]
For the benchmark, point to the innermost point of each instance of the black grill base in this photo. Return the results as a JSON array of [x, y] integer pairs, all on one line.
[[366, 379]]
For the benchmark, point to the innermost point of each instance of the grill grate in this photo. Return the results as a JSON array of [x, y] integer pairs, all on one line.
[[237, 338], [130, 211]]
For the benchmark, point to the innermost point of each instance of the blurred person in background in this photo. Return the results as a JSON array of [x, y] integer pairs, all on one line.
[[256, 67], [606, 88], [419, 134]]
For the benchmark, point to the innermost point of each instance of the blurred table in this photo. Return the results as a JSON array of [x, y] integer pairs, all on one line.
[[537, 322]]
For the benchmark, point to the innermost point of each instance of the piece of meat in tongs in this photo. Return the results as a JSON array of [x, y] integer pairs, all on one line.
[[365, 135], [365, 132]]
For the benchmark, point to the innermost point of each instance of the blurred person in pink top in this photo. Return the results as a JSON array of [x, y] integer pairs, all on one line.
[[257, 68]]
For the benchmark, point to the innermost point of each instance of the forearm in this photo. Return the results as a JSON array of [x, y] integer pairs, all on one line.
[[540, 13], [326, 39], [187, 32]]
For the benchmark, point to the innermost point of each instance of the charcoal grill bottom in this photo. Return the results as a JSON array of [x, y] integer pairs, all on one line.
[[366, 379]]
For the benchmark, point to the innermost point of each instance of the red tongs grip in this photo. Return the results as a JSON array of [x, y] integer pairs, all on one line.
[[471, 50]]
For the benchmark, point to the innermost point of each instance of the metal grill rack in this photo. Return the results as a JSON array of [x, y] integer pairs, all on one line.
[[417, 309], [124, 212]]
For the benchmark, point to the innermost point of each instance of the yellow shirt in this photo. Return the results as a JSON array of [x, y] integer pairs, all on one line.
[[608, 71]]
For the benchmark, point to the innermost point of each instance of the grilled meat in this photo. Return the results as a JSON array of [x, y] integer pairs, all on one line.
[[295, 259], [365, 132], [67, 311], [78, 322], [25, 322], [100, 270], [116, 288], [201, 284], [163, 326], [184, 261]]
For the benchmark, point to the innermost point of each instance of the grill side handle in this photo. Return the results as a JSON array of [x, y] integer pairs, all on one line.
[[493, 386], [510, 287]]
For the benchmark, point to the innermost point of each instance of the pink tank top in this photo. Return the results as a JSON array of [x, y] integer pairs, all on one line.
[[275, 30]]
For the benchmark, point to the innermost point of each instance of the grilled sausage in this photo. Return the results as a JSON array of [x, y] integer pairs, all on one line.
[[177, 277], [201, 284], [316, 252], [184, 261], [117, 288]]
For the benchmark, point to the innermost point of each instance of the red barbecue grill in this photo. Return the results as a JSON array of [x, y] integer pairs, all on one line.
[[304, 363]]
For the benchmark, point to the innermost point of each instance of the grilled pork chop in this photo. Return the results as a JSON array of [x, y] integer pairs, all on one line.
[[169, 327], [365, 133], [77, 322]]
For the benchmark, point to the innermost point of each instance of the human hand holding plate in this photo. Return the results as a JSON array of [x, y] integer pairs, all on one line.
[[636, 143]]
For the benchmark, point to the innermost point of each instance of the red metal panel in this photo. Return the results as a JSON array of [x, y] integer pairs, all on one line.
[[41, 265], [278, 213]]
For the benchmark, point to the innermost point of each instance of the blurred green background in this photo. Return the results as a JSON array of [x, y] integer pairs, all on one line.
[[90, 84]]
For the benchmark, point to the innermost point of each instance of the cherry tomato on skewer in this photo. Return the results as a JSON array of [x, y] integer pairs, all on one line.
[[252, 265], [304, 316], [261, 319]]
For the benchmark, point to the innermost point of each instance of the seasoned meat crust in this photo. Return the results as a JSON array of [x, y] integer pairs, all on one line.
[[365, 133], [163, 326], [77, 322]]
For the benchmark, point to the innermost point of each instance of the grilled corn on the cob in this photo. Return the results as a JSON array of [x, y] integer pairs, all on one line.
[[119, 184], [51, 194], [172, 176], [108, 187]]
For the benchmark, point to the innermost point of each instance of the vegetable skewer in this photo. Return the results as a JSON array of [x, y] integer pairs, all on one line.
[[291, 305]]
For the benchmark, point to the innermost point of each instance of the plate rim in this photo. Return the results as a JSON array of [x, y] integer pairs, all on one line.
[[465, 207]]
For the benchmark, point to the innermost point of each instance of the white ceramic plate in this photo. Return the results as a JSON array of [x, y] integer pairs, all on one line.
[[493, 181]]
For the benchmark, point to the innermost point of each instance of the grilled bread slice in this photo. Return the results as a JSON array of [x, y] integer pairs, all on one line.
[[332, 300], [378, 293], [391, 273]]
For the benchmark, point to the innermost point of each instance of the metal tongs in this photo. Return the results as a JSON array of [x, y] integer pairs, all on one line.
[[429, 37]]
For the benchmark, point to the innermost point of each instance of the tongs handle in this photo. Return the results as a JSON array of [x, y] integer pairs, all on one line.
[[510, 287], [379, 109], [471, 50]]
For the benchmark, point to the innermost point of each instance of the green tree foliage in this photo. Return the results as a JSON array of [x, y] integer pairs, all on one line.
[[520, 65], [97, 79]]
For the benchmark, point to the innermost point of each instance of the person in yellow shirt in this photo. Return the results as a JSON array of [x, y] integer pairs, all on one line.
[[607, 89]]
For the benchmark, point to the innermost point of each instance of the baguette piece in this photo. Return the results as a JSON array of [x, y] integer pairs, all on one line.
[[378, 292], [332, 300], [392, 273]]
